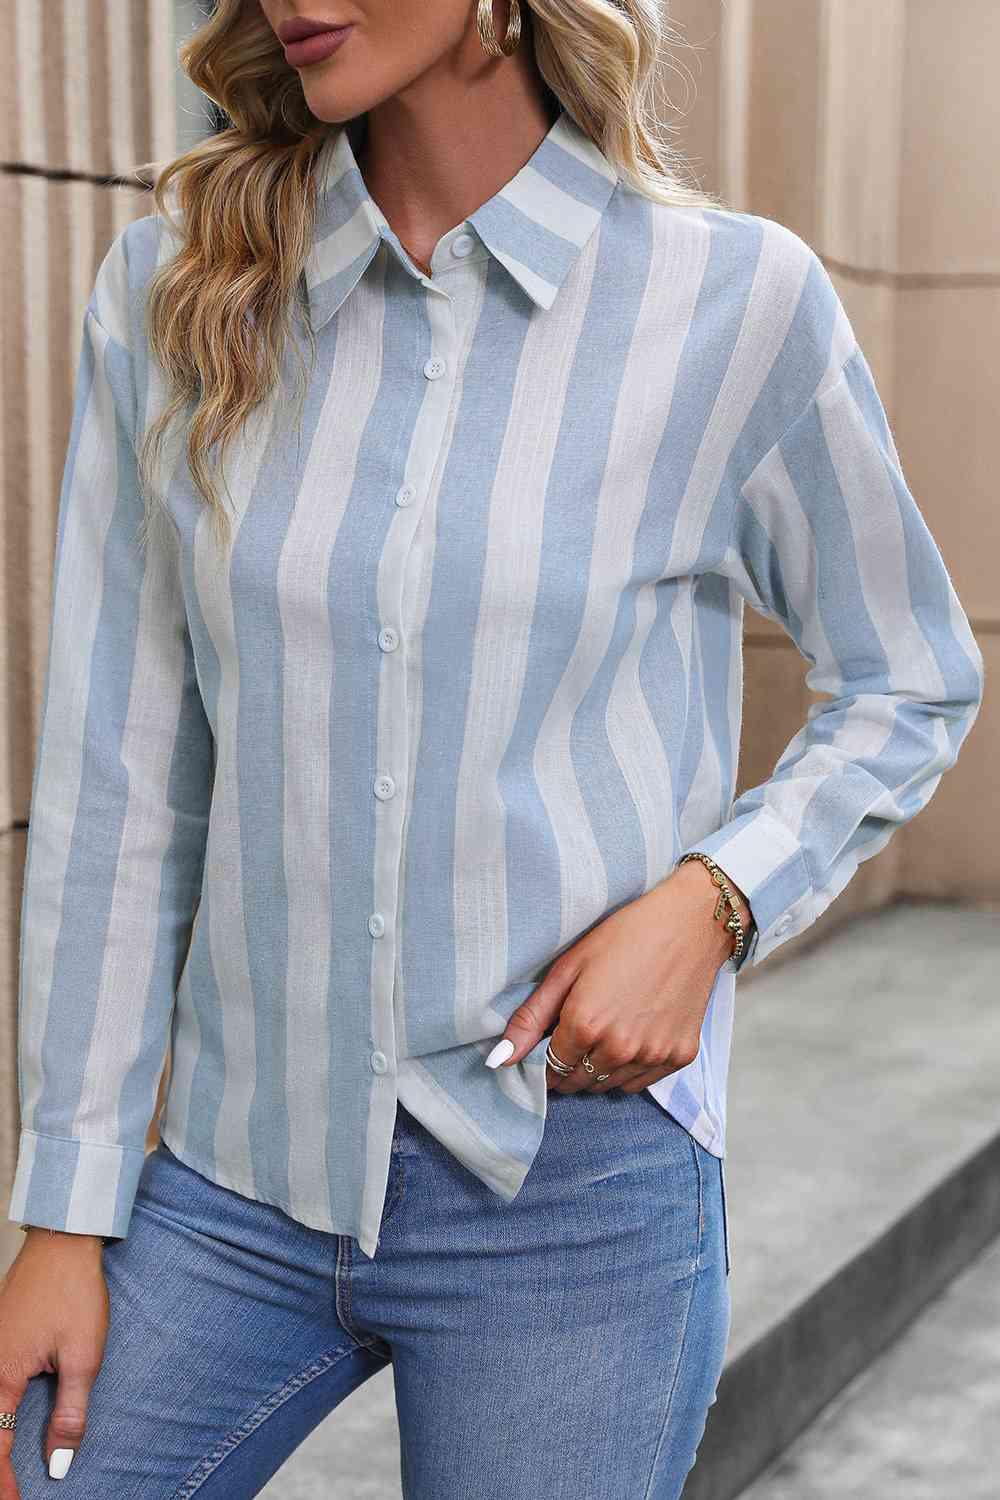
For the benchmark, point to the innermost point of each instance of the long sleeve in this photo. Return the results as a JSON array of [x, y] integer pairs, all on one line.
[[119, 815], [828, 540]]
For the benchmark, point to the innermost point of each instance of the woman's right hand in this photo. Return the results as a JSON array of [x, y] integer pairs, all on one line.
[[53, 1319]]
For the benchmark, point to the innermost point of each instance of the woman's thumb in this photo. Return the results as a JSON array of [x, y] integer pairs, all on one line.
[[69, 1416], [532, 1019]]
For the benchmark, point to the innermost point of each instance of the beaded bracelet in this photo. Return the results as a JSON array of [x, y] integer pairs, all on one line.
[[734, 922]]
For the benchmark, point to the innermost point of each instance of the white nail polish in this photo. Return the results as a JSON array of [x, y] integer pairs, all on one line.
[[500, 1053], [59, 1462]]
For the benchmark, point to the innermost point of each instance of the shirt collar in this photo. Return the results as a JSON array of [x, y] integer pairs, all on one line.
[[535, 226]]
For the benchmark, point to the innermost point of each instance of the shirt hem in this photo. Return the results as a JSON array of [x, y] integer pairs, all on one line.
[[235, 1183]]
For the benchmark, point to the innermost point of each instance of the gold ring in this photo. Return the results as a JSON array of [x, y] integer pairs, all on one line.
[[556, 1063], [585, 1062]]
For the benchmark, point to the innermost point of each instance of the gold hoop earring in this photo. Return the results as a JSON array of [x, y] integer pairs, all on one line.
[[487, 33]]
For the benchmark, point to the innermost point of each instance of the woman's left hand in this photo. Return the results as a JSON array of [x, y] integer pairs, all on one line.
[[633, 991]]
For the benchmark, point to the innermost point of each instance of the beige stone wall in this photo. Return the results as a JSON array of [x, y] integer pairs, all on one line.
[[80, 108], [871, 130]]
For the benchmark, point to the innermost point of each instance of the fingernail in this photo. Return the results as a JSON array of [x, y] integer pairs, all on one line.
[[500, 1053], [59, 1462]]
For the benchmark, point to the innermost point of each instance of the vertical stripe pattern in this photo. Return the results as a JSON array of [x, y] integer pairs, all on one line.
[[320, 815]]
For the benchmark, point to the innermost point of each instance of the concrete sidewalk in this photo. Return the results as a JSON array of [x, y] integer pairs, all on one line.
[[922, 1422]]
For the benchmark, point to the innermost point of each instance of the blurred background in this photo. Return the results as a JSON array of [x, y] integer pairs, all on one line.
[[864, 1112]]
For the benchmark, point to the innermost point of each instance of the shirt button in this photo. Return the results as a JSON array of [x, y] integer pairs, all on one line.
[[782, 925], [433, 368], [376, 924], [384, 787], [388, 638], [462, 244], [405, 494], [379, 1062]]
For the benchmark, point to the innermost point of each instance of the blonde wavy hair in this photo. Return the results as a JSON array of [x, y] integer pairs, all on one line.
[[218, 312]]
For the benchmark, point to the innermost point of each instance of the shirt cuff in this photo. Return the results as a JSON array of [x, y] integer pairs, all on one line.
[[767, 864], [83, 1187]]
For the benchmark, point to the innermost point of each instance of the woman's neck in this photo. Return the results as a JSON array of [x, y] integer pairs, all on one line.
[[429, 168]]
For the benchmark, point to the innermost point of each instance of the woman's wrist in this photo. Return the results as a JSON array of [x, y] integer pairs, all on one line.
[[721, 937], [41, 1231]]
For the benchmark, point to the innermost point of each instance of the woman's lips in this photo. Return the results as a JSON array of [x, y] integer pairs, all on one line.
[[313, 49]]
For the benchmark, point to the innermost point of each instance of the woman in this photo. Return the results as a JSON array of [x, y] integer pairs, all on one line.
[[395, 788]]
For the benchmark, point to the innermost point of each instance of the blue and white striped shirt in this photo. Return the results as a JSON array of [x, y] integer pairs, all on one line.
[[322, 817]]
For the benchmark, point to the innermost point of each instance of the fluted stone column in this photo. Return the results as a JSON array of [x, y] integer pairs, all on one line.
[[873, 132], [88, 96]]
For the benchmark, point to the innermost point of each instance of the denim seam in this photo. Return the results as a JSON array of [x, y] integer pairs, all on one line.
[[693, 1147], [725, 1214], [701, 1204], [693, 1277], [264, 1409], [342, 1285], [361, 1343], [398, 1186], [648, 1491]]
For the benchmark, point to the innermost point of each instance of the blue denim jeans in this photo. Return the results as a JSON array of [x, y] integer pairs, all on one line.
[[565, 1344]]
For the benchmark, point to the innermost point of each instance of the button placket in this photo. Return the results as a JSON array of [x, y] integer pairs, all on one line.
[[390, 772]]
